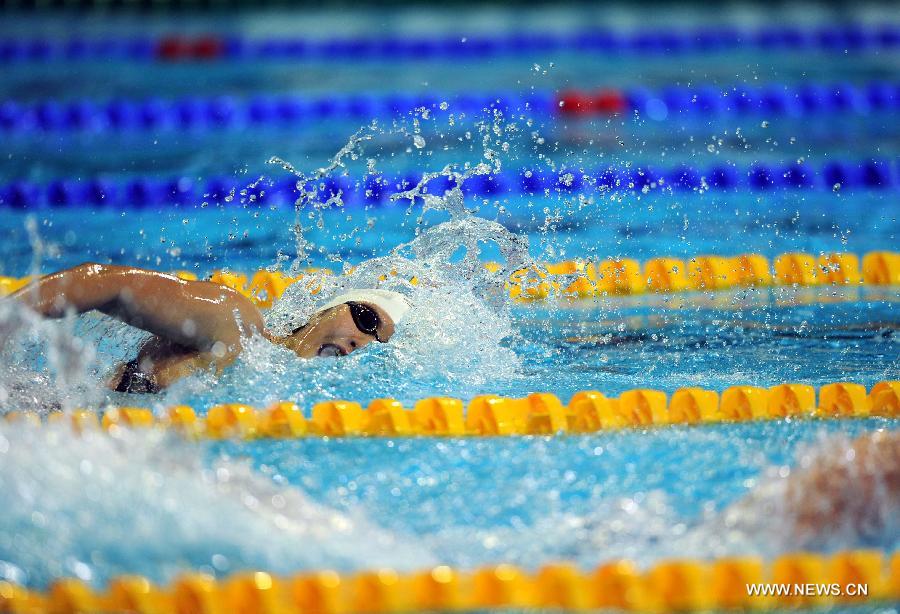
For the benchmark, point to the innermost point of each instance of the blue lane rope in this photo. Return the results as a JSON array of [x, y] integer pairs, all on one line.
[[833, 38], [376, 190], [224, 112]]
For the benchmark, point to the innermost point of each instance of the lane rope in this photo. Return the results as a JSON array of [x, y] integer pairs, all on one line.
[[490, 415], [704, 101], [228, 112], [223, 112], [583, 279], [376, 190], [591, 279], [809, 579], [832, 38]]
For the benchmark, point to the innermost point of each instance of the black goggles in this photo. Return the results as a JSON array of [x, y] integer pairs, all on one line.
[[365, 318]]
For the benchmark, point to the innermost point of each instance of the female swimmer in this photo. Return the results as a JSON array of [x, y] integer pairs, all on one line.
[[199, 324]]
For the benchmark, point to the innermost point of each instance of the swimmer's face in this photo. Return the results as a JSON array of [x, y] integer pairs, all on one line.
[[334, 333]]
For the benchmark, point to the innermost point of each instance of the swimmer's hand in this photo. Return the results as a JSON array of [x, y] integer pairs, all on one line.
[[198, 315]]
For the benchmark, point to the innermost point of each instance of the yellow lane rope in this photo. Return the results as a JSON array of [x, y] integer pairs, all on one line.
[[491, 415], [586, 279], [800, 580]]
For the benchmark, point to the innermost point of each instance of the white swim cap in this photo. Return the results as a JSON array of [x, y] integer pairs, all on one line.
[[392, 303]]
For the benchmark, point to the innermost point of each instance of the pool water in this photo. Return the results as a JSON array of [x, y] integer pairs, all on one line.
[[142, 505], [98, 506]]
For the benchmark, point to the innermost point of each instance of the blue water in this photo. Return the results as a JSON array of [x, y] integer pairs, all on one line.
[[290, 505], [417, 485], [101, 506], [678, 225], [756, 338]]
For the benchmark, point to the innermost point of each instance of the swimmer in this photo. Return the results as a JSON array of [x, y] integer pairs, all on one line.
[[198, 325], [847, 488], [838, 492]]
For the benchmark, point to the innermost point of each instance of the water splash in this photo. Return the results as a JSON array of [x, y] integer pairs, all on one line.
[[455, 331], [47, 366], [839, 493], [461, 320], [460, 315], [308, 188], [97, 505], [829, 498]]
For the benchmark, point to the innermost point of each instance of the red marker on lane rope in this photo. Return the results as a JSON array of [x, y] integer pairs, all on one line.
[[179, 48], [600, 102]]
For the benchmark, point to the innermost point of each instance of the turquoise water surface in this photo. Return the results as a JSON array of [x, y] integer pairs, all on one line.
[[98, 506]]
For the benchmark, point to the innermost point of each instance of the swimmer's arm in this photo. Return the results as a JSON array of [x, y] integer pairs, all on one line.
[[196, 314], [167, 372]]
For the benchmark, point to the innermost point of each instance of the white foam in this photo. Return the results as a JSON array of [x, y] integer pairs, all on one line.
[[141, 502]]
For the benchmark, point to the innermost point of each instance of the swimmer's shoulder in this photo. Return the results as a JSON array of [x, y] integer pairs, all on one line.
[[235, 303]]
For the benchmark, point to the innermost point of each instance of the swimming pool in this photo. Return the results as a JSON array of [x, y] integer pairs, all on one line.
[[183, 158]]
